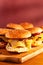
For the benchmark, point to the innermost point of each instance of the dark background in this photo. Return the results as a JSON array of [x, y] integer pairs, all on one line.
[[21, 10]]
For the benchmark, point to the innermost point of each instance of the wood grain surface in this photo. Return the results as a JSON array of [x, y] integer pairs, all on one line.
[[20, 58], [38, 60]]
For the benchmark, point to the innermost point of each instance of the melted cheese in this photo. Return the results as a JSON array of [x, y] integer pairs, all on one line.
[[29, 43], [16, 43], [37, 40], [24, 43]]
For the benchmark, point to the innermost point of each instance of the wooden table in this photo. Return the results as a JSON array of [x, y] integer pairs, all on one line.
[[38, 60]]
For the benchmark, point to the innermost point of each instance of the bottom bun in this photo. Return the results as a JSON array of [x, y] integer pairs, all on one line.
[[18, 50]]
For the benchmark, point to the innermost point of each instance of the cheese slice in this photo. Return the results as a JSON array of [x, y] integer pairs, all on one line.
[[17, 43], [18, 50]]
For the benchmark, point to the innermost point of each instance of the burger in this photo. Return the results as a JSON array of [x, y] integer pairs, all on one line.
[[37, 36], [18, 41], [14, 26], [26, 25], [3, 40], [41, 28]]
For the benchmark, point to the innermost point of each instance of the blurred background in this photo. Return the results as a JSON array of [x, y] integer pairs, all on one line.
[[21, 10]]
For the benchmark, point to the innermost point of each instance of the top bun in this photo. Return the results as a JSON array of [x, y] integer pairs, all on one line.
[[35, 30], [14, 26], [26, 25], [3, 31], [41, 28], [17, 34]]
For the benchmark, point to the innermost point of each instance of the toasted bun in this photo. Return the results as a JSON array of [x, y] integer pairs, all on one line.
[[26, 25], [35, 30], [15, 26], [41, 28], [18, 34], [3, 31]]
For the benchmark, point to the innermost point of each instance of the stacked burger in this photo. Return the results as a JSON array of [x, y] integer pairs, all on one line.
[[36, 33], [20, 37]]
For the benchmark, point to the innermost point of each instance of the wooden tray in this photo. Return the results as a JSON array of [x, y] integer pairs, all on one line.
[[20, 58]]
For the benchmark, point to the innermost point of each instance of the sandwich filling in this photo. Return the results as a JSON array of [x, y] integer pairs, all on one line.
[[3, 41], [24, 43], [37, 39]]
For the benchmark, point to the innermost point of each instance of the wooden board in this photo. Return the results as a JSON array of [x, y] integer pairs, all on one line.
[[20, 58]]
